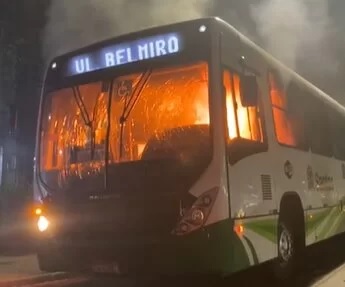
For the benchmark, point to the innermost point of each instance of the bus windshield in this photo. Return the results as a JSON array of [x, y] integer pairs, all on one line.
[[154, 115]]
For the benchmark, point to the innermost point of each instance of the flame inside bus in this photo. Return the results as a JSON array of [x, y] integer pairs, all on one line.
[[171, 98]]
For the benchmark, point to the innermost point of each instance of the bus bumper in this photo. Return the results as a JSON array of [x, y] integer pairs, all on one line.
[[198, 252]]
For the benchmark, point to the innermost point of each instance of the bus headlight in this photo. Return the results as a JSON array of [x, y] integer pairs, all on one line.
[[197, 215], [42, 223]]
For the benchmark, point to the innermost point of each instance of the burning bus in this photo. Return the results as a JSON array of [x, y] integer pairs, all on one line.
[[183, 148]]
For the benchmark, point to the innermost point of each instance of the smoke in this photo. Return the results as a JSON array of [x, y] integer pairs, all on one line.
[[297, 31], [75, 23], [300, 33]]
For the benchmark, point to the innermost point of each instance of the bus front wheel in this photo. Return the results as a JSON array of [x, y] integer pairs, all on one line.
[[290, 245]]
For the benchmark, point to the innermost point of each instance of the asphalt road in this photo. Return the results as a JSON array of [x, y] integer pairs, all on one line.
[[18, 267], [321, 260]]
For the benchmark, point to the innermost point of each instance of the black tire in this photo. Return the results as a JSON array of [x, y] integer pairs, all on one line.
[[291, 246]]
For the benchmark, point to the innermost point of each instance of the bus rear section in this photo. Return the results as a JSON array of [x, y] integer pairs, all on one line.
[[126, 170]]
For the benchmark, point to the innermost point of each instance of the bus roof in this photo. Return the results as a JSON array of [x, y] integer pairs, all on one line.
[[206, 20], [327, 99], [137, 34]]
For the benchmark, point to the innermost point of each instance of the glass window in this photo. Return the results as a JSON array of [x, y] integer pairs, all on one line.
[[287, 108], [170, 111], [157, 114], [338, 135], [67, 125], [319, 130], [243, 122]]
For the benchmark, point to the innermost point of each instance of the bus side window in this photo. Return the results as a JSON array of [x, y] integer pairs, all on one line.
[[243, 122], [287, 109], [338, 135], [340, 141], [319, 131]]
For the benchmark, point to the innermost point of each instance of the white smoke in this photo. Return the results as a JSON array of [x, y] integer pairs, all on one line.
[[294, 30], [75, 23]]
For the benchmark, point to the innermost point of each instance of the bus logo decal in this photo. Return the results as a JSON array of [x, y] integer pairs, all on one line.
[[288, 169]]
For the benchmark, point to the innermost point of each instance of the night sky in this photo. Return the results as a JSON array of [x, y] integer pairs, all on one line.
[[21, 69], [332, 46], [21, 61]]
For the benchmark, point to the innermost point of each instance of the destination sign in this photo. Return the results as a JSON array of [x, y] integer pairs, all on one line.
[[125, 53]]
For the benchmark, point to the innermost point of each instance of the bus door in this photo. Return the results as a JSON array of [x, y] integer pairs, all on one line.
[[252, 200]]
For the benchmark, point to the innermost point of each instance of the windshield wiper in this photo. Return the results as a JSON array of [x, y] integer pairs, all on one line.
[[85, 116], [106, 155], [130, 102]]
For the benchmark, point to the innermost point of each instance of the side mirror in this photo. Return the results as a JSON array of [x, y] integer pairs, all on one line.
[[249, 91]]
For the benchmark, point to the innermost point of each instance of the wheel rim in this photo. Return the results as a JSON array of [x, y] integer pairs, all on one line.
[[285, 245]]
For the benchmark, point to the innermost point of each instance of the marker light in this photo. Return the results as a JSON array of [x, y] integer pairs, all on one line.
[[38, 211], [54, 65], [239, 229], [202, 28], [42, 223]]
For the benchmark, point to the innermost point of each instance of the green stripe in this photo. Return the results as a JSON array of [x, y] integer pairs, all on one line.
[[316, 220], [267, 228], [341, 225], [338, 222], [332, 217], [217, 248]]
